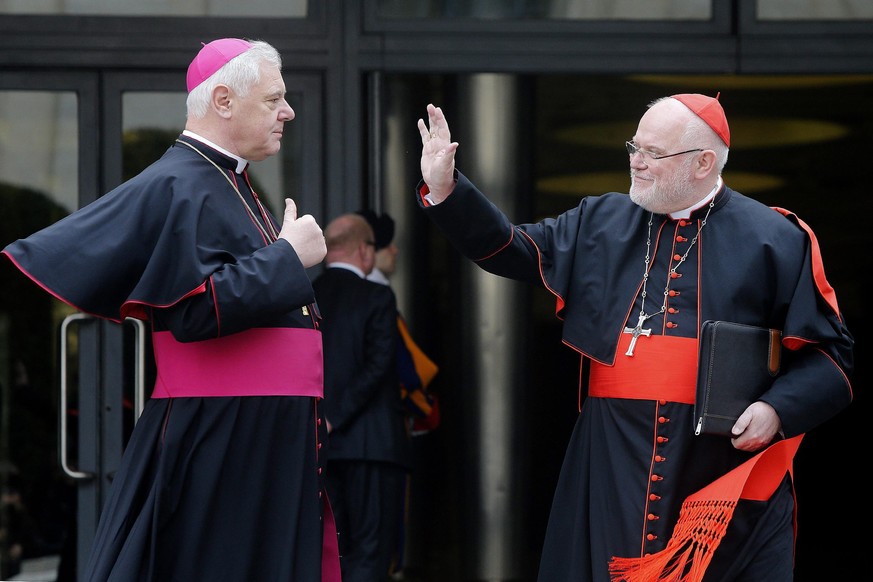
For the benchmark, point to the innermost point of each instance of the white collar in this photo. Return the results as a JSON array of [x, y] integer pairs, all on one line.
[[241, 163], [687, 212]]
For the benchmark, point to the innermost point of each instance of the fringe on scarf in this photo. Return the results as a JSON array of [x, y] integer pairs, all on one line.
[[704, 518], [699, 531]]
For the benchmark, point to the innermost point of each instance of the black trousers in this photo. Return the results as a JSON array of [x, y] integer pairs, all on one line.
[[367, 500]]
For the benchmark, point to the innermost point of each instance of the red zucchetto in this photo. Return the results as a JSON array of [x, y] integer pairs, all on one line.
[[709, 110]]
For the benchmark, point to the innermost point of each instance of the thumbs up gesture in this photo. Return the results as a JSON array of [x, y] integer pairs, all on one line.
[[304, 234]]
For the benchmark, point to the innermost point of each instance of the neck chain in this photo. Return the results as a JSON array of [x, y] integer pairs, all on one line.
[[638, 330], [672, 274], [269, 235]]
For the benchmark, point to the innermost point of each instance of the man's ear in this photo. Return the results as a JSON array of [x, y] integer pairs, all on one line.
[[221, 100], [706, 164]]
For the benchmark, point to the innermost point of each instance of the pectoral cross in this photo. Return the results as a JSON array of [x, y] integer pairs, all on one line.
[[636, 332]]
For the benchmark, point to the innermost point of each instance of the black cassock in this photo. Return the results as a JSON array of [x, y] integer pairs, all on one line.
[[222, 477], [633, 457]]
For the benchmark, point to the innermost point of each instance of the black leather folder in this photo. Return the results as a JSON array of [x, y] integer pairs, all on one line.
[[736, 364]]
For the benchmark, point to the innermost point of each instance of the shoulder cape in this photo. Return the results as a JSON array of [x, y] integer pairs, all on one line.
[[151, 241]]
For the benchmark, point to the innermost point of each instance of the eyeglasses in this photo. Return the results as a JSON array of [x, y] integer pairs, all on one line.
[[633, 148]]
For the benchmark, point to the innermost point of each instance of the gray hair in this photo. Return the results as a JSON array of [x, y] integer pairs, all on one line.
[[698, 134], [240, 74]]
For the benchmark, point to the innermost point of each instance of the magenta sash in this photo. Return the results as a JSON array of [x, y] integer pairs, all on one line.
[[274, 361]]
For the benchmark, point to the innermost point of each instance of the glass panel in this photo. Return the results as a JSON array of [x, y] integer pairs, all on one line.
[[814, 9], [40, 151], [234, 8], [150, 122], [549, 9], [38, 186]]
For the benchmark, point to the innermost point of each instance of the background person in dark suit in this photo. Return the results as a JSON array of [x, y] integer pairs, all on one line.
[[368, 453], [415, 371]]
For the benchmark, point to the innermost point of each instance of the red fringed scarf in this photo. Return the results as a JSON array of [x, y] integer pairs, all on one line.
[[704, 518]]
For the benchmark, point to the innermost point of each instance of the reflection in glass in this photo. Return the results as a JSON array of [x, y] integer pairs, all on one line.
[[39, 151], [38, 186], [549, 9], [219, 8], [150, 122], [814, 10]]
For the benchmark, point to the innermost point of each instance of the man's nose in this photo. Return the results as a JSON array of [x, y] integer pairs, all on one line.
[[288, 113], [638, 160]]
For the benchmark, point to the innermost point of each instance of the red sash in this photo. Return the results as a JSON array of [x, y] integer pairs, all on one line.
[[642, 376]]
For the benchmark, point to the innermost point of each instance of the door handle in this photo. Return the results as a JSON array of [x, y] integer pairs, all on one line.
[[139, 385], [63, 406]]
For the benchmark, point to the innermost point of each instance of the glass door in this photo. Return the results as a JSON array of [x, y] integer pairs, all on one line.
[[47, 161]]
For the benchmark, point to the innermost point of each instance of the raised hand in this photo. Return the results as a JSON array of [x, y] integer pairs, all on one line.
[[437, 154], [304, 234]]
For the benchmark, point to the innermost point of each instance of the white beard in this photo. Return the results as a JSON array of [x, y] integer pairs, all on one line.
[[664, 195]]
